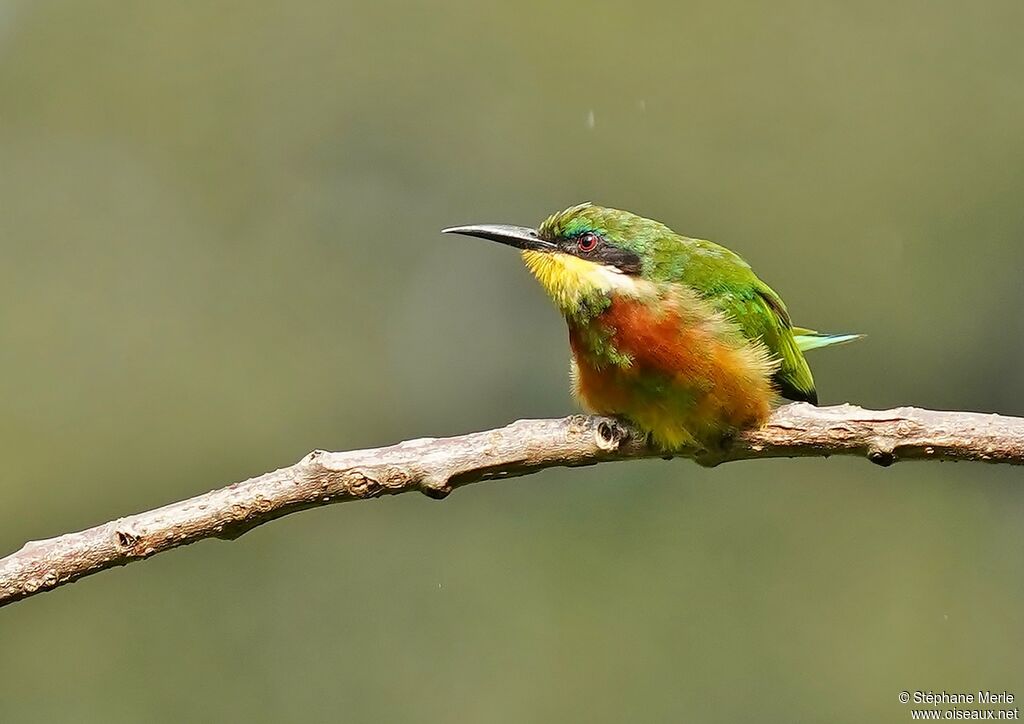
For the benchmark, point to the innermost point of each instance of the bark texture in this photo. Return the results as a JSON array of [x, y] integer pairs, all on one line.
[[437, 466]]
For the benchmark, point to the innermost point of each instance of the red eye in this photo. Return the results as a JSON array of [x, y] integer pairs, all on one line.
[[587, 241]]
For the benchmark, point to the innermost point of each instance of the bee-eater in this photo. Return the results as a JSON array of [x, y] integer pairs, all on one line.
[[676, 335]]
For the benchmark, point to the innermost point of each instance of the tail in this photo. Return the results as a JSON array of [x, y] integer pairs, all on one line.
[[808, 339]]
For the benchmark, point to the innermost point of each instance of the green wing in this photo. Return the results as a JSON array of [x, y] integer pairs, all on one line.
[[728, 282], [761, 314]]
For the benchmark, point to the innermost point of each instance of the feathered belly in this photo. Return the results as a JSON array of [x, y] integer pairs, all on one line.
[[683, 374]]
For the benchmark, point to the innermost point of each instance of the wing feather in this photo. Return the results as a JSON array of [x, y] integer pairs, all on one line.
[[726, 281]]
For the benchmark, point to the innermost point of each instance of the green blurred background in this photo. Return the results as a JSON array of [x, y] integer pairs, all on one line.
[[221, 250]]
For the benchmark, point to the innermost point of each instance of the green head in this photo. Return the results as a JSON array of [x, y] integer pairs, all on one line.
[[609, 236], [585, 253]]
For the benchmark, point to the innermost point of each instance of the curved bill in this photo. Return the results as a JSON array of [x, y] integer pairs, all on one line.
[[520, 237]]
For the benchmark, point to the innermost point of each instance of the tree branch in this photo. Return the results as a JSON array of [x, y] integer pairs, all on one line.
[[438, 466]]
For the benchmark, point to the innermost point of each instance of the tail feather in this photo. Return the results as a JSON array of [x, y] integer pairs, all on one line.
[[808, 339]]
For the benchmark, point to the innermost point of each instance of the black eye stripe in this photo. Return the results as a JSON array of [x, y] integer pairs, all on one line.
[[592, 246], [622, 259]]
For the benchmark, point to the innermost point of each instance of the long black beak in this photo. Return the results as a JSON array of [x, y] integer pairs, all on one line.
[[518, 236]]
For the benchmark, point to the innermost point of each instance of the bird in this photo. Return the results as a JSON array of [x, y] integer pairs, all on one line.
[[675, 335]]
